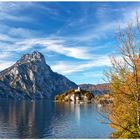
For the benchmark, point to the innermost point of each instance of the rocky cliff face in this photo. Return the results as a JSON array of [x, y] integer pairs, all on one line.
[[30, 77]]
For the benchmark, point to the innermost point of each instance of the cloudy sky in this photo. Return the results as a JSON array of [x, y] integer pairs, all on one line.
[[76, 38]]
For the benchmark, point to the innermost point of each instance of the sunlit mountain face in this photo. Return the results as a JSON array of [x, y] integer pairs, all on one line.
[[75, 37], [31, 78]]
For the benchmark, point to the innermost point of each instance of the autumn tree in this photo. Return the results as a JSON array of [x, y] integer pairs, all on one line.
[[124, 78]]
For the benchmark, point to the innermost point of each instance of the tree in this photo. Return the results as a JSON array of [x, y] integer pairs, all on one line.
[[124, 78]]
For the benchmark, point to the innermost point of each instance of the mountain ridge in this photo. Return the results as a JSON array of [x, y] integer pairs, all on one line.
[[32, 77], [96, 89]]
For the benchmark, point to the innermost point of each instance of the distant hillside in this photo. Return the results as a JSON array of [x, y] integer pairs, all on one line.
[[96, 89]]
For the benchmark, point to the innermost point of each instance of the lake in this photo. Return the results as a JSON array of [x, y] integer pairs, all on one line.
[[47, 119]]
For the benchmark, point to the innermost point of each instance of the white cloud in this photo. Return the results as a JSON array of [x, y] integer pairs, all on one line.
[[93, 74], [5, 55], [102, 29], [11, 10], [10, 33], [5, 64], [8, 10], [59, 45], [56, 46], [68, 68], [4, 37], [5, 16], [21, 32]]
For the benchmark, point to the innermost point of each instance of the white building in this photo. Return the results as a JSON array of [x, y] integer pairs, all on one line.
[[78, 89]]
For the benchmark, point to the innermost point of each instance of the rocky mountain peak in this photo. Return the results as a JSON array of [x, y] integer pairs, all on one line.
[[32, 77], [34, 61], [35, 56]]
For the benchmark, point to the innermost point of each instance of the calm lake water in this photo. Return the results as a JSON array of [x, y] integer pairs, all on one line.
[[46, 119]]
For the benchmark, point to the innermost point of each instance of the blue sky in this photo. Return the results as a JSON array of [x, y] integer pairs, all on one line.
[[76, 38]]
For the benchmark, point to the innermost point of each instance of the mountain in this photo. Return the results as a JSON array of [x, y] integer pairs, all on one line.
[[96, 89], [31, 78]]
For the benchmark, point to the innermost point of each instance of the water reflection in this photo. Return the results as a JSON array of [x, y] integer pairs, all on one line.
[[45, 119], [77, 112]]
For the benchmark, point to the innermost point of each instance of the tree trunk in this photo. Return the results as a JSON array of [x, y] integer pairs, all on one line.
[[138, 112]]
